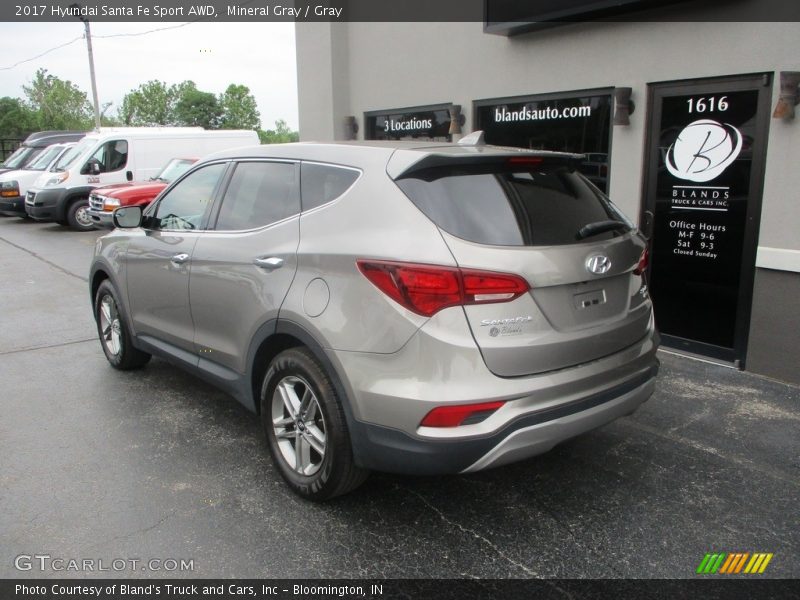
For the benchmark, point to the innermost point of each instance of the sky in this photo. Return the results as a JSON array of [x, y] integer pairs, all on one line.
[[213, 55]]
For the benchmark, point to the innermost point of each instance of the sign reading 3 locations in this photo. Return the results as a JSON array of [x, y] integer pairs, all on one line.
[[700, 189], [425, 123]]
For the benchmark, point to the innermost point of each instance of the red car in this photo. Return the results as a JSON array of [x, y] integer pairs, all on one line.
[[103, 200]]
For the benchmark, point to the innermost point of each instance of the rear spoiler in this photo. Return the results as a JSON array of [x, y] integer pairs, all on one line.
[[404, 163]]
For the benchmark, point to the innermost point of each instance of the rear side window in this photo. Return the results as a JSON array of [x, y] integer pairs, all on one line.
[[321, 184], [260, 193], [508, 205]]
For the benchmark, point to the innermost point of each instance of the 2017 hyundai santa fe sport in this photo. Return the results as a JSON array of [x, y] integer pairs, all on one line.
[[405, 307]]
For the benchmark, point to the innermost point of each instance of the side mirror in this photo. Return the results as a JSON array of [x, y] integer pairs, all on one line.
[[92, 167], [127, 217]]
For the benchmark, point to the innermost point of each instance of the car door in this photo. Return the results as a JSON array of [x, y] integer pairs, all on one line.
[[110, 163], [159, 257], [243, 265]]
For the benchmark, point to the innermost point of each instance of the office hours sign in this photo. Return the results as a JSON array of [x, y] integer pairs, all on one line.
[[704, 144]]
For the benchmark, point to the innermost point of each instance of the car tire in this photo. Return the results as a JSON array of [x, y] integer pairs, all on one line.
[[306, 430], [78, 215], [115, 337]]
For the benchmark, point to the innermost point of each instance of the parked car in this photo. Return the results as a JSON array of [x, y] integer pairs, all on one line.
[[14, 184], [407, 307], [115, 155], [34, 144], [103, 200]]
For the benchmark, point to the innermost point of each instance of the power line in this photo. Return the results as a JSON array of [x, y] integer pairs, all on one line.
[[113, 35], [22, 62], [116, 35]]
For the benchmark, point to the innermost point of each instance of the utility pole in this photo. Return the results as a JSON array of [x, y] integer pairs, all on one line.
[[91, 66]]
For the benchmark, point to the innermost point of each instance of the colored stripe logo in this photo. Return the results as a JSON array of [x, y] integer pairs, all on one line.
[[734, 563]]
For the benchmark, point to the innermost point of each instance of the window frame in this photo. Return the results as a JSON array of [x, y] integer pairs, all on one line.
[[215, 194], [213, 218]]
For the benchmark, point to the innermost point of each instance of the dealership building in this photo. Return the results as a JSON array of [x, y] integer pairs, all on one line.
[[689, 127]]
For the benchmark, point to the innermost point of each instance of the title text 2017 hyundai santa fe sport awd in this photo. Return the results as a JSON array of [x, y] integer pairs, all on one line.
[[404, 307]]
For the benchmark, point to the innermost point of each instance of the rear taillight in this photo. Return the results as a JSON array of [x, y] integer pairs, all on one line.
[[644, 261], [427, 289], [463, 414]]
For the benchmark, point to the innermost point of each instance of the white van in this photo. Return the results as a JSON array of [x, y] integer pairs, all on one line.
[[114, 155], [14, 184]]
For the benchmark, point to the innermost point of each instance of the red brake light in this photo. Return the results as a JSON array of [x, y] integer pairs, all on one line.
[[453, 416], [427, 289], [525, 160], [644, 261]]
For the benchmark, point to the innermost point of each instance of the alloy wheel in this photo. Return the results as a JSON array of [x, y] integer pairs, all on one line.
[[110, 328], [299, 425]]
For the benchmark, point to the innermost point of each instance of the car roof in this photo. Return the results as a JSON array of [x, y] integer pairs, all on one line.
[[401, 154]]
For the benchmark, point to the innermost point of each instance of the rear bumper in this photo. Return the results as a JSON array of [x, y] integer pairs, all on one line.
[[538, 432], [390, 394]]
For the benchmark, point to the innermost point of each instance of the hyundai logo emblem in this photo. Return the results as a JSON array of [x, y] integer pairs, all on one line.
[[599, 264]]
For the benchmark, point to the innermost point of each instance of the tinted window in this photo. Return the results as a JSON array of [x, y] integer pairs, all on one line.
[[259, 193], [322, 183], [508, 205], [185, 205]]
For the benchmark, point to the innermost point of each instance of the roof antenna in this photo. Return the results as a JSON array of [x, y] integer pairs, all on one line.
[[473, 139]]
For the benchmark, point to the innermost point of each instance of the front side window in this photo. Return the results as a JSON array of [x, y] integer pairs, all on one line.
[[260, 193], [111, 156], [185, 206]]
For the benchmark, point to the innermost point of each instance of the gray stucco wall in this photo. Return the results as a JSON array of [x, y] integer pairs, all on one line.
[[775, 326], [350, 68]]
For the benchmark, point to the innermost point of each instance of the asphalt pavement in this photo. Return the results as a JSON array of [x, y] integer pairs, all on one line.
[[97, 464]]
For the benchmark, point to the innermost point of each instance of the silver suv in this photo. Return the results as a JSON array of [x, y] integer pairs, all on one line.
[[404, 307]]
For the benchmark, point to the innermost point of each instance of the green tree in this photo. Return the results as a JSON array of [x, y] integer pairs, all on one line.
[[152, 103], [17, 120], [239, 108], [280, 135], [197, 108], [58, 104]]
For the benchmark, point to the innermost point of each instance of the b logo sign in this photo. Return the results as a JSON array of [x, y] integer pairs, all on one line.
[[703, 150]]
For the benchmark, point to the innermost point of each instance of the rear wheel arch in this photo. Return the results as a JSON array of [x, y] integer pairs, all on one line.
[[280, 335]]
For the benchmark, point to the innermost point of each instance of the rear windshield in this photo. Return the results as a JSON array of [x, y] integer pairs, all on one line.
[[506, 204]]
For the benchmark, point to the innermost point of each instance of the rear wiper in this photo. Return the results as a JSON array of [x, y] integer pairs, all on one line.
[[599, 227]]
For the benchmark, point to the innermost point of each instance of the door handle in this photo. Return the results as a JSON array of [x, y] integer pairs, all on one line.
[[179, 259], [270, 264]]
